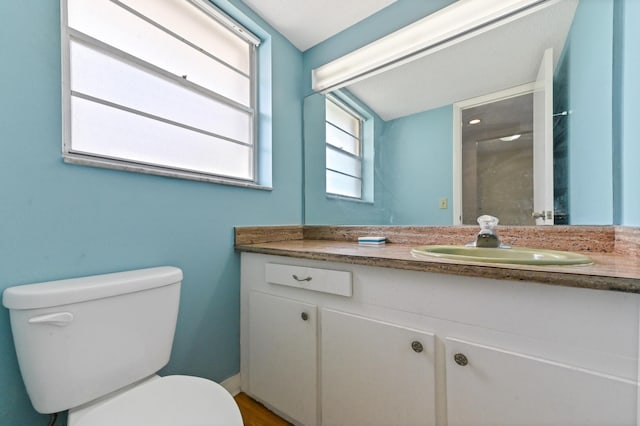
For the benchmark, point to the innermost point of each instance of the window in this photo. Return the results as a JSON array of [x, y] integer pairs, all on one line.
[[164, 87], [344, 149]]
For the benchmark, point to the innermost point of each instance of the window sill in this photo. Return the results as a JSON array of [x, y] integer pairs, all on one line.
[[353, 200], [158, 171]]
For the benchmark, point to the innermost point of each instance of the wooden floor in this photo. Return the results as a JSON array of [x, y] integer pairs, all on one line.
[[255, 414]]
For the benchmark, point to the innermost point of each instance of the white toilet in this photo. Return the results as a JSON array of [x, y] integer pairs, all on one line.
[[93, 346]]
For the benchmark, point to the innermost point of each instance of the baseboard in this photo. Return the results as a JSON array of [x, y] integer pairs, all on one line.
[[232, 384]]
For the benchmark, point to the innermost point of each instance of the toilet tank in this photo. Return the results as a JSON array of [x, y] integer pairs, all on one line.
[[82, 338]]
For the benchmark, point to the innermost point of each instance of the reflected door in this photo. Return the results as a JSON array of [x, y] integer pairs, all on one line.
[[543, 142], [507, 153]]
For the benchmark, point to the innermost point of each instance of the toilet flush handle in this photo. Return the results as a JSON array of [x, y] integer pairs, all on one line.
[[59, 318]]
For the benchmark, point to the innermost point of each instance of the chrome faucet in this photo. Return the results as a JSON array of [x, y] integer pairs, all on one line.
[[487, 237]]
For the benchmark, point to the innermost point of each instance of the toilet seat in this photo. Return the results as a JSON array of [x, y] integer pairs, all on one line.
[[163, 401]]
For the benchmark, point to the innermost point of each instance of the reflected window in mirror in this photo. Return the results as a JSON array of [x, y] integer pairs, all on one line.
[[344, 148]]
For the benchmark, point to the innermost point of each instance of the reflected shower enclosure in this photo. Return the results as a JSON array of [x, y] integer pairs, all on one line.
[[497, 161]]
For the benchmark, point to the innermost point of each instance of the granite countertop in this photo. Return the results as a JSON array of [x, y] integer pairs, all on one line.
[[616, 260]]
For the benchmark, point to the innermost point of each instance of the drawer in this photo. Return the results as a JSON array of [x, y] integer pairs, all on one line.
[[315, 279]]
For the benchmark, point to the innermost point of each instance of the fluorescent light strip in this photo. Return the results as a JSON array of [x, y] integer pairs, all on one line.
[[445, 25]]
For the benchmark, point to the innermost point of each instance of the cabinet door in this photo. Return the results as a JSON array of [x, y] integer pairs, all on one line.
[[499, 387], [282, 355], [375, 373]]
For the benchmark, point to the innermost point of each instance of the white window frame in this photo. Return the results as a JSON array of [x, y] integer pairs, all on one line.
[[74, 157], [361, 145]]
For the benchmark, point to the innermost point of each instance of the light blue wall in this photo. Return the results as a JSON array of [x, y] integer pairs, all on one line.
[[630, 132], [59, 220], [417, 167], [589, 50]]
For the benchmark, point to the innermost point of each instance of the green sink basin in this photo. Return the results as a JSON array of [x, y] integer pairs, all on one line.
[[518, 255]]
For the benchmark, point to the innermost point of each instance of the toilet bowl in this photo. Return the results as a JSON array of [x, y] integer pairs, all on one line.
[[93, 346], [162, 401]]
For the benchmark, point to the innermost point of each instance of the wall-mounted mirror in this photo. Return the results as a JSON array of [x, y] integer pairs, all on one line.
[[414, 118]]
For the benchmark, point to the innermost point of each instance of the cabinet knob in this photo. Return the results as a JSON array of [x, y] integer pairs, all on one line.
[[417, 346], [461, 359], [304, 316]]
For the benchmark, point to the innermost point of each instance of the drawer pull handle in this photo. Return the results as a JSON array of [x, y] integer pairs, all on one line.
[[461, 359], [417, 346], [295, 277], [304, 316]]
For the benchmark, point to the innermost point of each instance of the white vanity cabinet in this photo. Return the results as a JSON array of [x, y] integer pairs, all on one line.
[[282, 356], [385, 346], [493, 387], [375, 373]]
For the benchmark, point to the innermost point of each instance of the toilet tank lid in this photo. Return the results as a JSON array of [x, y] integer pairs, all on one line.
[[74, 290]]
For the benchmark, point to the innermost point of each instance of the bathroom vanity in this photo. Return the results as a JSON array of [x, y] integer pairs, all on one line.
[[335, 333]]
